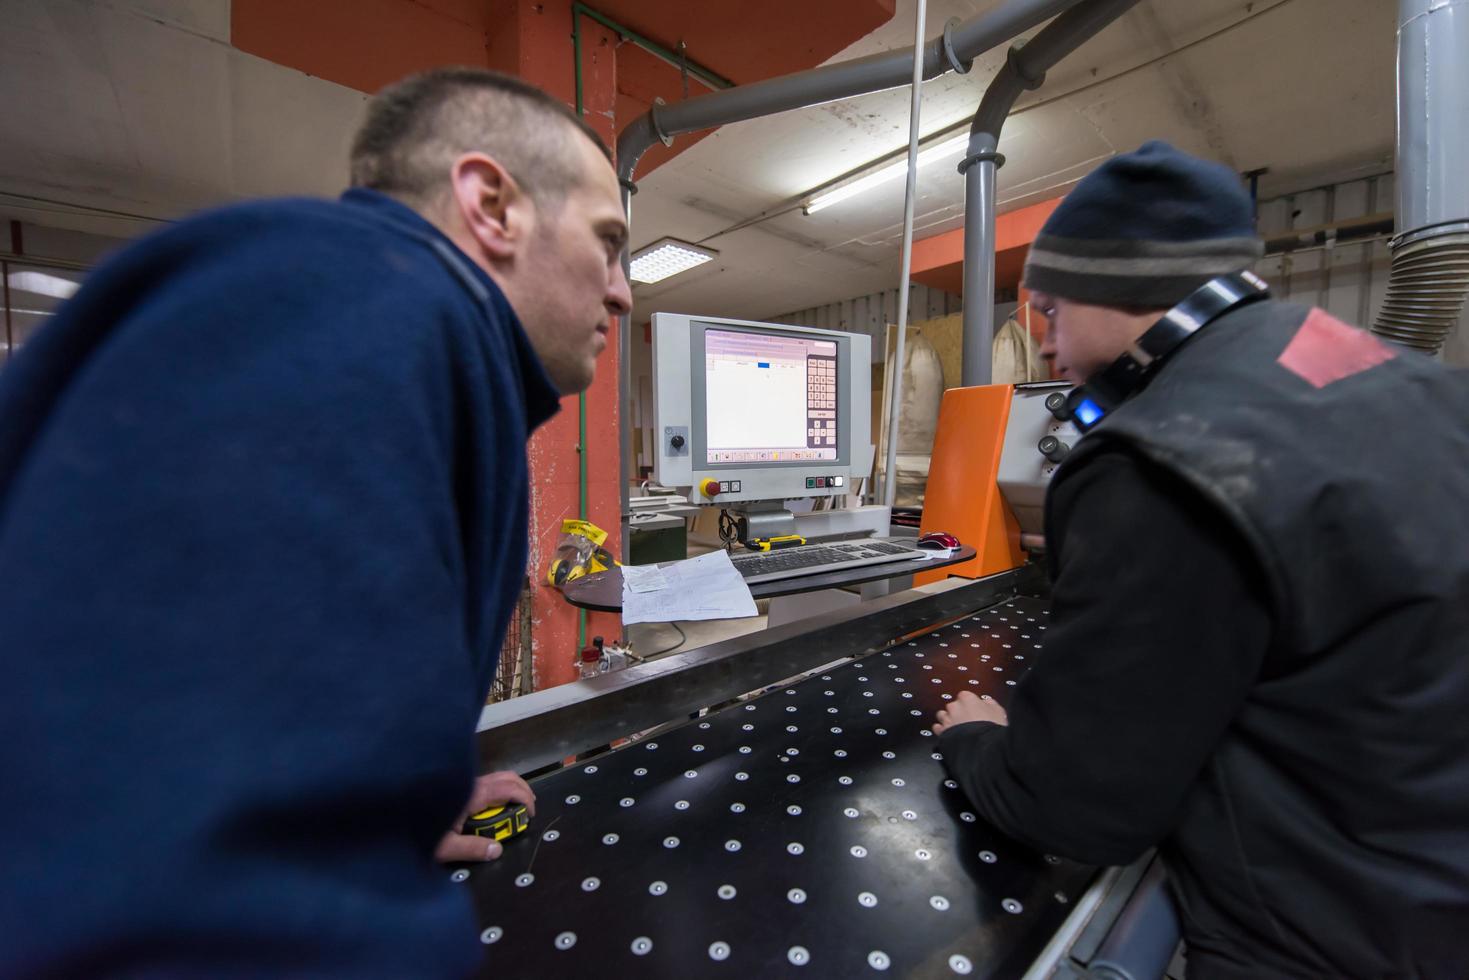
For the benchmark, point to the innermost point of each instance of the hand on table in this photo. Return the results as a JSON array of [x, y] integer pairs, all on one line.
[[492, 789], [970, 707]]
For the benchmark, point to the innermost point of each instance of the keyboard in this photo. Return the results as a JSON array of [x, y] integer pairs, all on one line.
[[817, 559]]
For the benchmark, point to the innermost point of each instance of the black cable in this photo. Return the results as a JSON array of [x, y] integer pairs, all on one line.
[[682, 639], [729, 530]]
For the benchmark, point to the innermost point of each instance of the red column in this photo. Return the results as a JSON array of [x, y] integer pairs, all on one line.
[[545, 43]]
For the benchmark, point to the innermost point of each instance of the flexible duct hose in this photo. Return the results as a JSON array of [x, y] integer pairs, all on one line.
[[1427, 287]]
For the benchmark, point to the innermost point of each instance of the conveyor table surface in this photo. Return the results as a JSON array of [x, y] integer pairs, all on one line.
[[809, 832]]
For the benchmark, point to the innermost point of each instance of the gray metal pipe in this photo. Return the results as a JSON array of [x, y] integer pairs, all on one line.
[[624, 398], [977, 364], [1429, 281], [1025, 69], [1433, 112], [847, 79], [957, 46]]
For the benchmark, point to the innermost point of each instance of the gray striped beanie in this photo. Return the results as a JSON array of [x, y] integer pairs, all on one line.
[[1145, 229]]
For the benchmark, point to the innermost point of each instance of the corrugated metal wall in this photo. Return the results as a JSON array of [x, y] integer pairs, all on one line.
[[870, 314], [1349, 280]]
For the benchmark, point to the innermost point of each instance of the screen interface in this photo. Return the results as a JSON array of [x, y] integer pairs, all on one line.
[[769, 398]]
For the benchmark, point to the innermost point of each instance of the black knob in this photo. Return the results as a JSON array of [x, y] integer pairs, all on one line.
[[1056, 405], [1053, 449], [676, 442]]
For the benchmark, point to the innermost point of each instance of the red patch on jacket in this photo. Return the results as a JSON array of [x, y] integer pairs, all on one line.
[[1325, 350]]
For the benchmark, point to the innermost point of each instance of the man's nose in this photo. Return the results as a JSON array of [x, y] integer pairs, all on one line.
[[1048, 342], [619, 293]]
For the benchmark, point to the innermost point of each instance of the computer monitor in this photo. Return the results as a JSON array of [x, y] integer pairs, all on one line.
[[748, 411]]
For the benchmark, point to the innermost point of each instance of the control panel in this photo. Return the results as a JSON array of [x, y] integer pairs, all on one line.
[[1038, 436], [710, 488]]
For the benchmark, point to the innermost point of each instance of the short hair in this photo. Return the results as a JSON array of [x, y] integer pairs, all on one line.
[[416, 128]]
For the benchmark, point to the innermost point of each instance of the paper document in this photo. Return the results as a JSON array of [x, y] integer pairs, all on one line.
[[707, 587], [643, 578]]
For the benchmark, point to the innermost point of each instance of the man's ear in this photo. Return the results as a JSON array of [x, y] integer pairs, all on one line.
[[495, 210]]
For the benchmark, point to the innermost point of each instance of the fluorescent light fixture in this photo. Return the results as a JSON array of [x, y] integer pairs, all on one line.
[[43, 284], [667, 257], [892, 171]]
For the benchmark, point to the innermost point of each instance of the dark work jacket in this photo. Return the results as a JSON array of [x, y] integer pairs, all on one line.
[[263, 513], [1329, 834]]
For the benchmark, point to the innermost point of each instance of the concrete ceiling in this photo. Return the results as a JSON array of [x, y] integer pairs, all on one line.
[[118, 113], [114, 108], [1303, 87]]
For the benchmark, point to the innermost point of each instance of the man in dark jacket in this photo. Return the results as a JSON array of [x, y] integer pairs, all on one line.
[[263, 519], [1256, 658]]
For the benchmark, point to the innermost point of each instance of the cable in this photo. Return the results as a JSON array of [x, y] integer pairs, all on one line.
[[682, 639], [893, 383], [32, 203], [729, 530]]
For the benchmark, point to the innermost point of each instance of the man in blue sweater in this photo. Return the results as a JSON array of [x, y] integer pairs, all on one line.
[[263, 518]]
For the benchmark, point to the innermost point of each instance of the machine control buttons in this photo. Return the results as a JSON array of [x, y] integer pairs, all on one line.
[[709, 488], [1056, 405], [676, 442], [1052, 448]]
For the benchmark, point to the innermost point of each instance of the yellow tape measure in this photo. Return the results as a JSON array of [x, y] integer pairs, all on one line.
[[498, 822], [771, 544]]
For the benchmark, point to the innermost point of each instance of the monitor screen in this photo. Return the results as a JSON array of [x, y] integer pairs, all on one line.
[[769, 398]]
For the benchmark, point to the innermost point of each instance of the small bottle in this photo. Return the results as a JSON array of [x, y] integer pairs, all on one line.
[[590, 662]]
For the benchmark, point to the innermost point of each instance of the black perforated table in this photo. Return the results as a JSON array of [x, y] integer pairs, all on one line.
[[811, 831]]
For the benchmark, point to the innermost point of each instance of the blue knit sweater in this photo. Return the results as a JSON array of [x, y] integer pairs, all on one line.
[[263, 500]]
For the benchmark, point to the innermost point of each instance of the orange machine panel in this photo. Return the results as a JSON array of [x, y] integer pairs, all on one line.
[[963, 495]]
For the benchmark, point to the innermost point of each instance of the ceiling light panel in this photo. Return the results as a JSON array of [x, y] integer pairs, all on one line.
[[891, 172], [667, 257], [43, 284]]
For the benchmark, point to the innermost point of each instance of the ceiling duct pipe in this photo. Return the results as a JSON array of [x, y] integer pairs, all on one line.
[[954, 50], [1430, 255], [1025, 69]]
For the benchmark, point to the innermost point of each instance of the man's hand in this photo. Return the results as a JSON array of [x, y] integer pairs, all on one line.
[[969, 707], [493, 789]]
